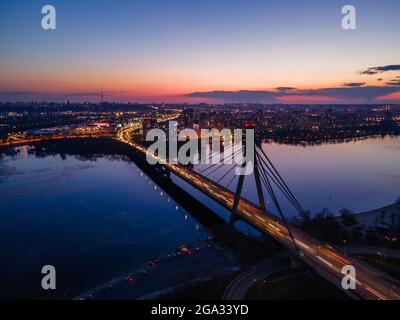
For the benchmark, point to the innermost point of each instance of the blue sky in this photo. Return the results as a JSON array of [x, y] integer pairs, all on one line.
[[166, 50]]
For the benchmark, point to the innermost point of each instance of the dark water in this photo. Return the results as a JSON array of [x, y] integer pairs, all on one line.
[[360, 175], [92, 220]]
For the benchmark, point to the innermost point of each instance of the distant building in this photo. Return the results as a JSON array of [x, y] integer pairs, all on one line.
[[149, 122], [186, 118], [100, 124]]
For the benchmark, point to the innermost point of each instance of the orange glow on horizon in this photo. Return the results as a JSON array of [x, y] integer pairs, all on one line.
[[395, 96]]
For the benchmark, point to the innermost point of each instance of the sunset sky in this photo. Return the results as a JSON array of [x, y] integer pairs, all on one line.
[[208, 50]]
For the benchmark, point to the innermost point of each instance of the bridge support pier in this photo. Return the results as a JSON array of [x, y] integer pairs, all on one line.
[[164, 172], [234, 215], [295, 261]]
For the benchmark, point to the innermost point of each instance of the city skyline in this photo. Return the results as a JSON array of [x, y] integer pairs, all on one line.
[[214, 51], [213, 150]]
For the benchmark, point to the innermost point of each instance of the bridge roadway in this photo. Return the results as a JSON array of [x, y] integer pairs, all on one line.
[[327, 261]]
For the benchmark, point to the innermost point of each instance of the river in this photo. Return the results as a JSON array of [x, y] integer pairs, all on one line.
[[94, 220]]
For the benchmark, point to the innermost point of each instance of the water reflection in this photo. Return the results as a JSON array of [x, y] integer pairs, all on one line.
[[91, 219], [360, 175], [95, 217]]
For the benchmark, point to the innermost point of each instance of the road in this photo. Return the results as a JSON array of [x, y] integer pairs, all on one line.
[[239, 286], [326, 260]]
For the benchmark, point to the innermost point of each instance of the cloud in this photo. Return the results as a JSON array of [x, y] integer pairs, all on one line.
[[353, 84], [238, 96], [394, 96], [393, 83], [349, 94], [250, 96], [285, 88], [375, 70], [367, 94], [300, 99]]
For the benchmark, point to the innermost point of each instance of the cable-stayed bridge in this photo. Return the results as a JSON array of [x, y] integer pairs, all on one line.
[[326, 260]]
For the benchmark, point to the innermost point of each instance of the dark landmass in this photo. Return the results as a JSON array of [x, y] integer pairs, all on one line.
[[295, 285], [389, 265], [346, 230]]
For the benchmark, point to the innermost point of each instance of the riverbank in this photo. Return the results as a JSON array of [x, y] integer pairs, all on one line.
[[180, 268], [388, 216], [189, 267]]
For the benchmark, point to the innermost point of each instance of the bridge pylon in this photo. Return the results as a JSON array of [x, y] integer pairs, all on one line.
[[234, 214]]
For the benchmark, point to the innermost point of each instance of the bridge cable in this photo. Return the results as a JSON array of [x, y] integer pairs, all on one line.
[[271, 192], [216, 169], [230, 182], [279, 178], [280, 181], [208, 168], [302, 212], [229, 171], [214, 153], [284, 192], [222, 164], [209, 158]]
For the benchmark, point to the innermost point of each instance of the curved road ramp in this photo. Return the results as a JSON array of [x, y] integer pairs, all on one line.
[[240, 285]]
